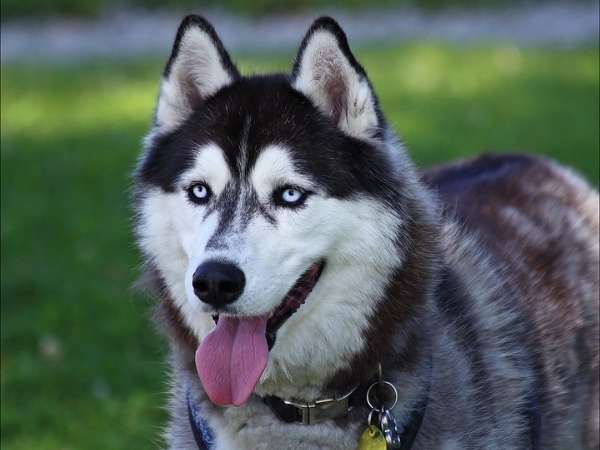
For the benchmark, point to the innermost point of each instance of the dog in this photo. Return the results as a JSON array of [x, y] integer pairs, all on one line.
[[319, 292]]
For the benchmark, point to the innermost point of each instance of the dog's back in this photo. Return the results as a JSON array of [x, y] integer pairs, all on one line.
[[541, 221]]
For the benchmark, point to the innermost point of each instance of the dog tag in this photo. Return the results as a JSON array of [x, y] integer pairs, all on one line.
[[372, 439]]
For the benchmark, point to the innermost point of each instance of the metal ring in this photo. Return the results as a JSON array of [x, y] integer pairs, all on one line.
[[385, 383]]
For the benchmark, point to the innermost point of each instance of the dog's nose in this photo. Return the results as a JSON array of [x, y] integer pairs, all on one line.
[[218, 283]]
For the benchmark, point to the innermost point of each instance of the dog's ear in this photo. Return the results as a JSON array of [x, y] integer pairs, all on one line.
[[328, 74], [198, 67]]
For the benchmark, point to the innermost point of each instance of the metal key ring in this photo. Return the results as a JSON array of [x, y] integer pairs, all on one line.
[[385, 383]]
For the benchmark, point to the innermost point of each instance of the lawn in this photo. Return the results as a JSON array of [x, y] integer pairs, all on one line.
[[81, 365]]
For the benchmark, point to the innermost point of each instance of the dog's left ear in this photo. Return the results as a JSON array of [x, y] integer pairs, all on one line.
[[328, 74]]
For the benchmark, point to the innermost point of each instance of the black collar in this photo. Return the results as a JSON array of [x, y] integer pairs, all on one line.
[[310, 413]]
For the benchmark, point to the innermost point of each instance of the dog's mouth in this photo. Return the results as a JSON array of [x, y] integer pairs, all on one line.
[[231, 359], [294, 299]]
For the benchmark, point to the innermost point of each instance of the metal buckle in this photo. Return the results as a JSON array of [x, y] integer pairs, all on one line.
[[323, 409]]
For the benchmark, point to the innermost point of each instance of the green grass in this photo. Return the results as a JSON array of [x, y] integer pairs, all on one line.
[[81, 366]]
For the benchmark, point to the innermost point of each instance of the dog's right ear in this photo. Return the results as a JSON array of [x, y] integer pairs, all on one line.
[[198, 67]]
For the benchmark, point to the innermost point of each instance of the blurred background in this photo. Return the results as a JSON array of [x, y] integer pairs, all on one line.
[[81, 365]]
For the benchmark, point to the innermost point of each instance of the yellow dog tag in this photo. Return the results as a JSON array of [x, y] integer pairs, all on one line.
[[372, 439]]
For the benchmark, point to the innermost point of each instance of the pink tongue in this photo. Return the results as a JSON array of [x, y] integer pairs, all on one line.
[[232, 358]]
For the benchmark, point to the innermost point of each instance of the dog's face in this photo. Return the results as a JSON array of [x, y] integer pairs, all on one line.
[[270, 203]]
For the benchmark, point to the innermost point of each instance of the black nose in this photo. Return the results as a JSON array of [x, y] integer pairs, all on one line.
[[218, 283]]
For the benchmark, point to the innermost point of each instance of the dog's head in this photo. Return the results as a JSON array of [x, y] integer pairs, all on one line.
[[271, 205]]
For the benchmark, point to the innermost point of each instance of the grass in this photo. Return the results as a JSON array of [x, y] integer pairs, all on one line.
[[81, 366]]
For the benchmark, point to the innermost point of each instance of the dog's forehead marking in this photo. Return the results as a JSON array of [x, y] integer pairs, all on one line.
[[227, 205], [242, 157], [210, 167], [274, 167]]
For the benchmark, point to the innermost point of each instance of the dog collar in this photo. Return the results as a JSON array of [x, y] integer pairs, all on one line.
[[309, 413]]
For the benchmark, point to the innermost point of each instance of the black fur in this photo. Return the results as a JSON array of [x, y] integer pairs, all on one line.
[[342, 164]]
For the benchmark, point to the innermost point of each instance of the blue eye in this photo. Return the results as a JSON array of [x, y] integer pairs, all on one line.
[[199, 193], [290, 196]]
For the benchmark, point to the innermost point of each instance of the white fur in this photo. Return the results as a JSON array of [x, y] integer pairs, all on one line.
[[274, 168], [329, 328], [209, 167], [171, 231], [198, 66], [323, 64], [163, 232]]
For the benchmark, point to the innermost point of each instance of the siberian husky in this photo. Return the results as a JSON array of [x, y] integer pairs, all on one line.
[[319, 292]]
